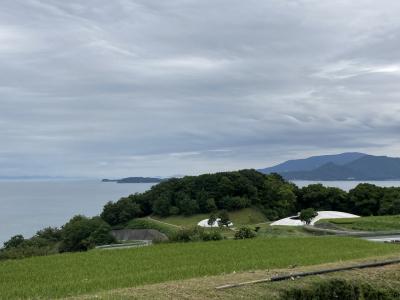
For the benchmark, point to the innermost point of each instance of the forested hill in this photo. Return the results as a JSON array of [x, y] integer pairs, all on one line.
[[207, 193], [271, 194], [347, 166]]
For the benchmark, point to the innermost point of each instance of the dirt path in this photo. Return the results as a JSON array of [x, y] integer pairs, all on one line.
[[169, 224]]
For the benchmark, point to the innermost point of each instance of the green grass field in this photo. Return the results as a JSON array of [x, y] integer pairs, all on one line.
[[379, 223], [240, 217], [79, 273]]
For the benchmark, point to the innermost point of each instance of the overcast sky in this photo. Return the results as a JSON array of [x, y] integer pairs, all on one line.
[[103, 88]]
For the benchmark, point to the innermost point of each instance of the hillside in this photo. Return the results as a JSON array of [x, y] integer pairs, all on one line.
[[192, 195], [311, 163], [366, 167]]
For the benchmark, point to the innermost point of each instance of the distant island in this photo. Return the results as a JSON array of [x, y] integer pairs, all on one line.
[[135, 180], [345, 166]]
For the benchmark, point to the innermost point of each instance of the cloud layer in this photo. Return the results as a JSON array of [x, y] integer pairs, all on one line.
[[146, 87]]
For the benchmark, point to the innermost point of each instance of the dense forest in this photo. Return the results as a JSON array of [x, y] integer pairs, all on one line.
[[272, 194]]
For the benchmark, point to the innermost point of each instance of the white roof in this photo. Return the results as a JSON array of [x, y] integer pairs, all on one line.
[[204, 223], [326, 214]]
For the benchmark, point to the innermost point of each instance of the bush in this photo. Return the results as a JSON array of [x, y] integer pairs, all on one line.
[[82, 234], [44, 242], [213, 235], [244, 233], [196, 234]]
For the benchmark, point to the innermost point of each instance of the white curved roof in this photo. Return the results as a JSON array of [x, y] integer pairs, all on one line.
[[325, 214], [204, 223]]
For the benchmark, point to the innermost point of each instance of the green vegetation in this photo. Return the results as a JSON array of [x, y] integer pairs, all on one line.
[[271, 195], [204, 194], [147, 223], [243, 216], [373, 284], [78, 273], [197, 233], [378, 223], [245, 233], [306, 215], [282, 231], [79, 234], [343, 289], [249, 196]]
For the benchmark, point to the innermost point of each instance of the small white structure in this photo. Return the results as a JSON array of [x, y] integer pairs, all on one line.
[[204, 223], [326, 214]]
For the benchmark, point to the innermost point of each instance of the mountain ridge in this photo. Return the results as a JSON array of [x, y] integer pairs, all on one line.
[[345, 166]]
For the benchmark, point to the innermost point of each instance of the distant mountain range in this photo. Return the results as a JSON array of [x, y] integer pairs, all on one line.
[[135, 180], [345, 166]]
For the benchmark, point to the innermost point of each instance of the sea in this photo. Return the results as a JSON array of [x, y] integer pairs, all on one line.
[[28, 206]]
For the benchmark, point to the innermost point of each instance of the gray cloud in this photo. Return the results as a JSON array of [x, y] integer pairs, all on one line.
[[100, 88]]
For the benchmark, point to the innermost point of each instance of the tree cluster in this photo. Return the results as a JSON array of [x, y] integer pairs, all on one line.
[[364, 200], [273, 195], [79, 234], [207, 193]]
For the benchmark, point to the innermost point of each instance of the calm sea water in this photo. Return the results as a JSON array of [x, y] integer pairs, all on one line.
[[347, 185], [27, 206]]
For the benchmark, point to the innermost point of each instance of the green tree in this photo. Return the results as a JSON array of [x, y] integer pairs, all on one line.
[[365, 199], [307, 215], [212, 219], [14, 242], [224, 219], [161, 206], [82, 233]]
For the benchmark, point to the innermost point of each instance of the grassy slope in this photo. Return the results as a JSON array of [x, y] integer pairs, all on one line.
[[79, 273], [146, 223], [380, 223], [240, 217]]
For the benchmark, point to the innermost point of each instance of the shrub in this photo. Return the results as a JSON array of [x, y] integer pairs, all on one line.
[[212, 235], [196, 234], [244, 233], [187, 235], [82, 233]]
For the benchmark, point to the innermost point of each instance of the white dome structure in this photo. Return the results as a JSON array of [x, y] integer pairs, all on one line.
[[325, 214], [204, 223]]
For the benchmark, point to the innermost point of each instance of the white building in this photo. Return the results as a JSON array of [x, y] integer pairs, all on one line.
[[326, 214]]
